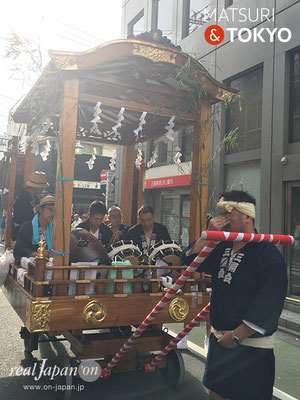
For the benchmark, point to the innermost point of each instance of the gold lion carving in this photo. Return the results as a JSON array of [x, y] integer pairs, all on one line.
[[154, 54], [38, 316]]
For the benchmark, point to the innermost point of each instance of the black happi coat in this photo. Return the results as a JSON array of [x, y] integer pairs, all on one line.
[[137, 235], [122, 230], [24, 246], [252, 289], [23, 211], [105, 233]]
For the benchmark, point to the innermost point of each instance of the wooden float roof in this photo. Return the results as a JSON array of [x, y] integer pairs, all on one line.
[[135, 74]]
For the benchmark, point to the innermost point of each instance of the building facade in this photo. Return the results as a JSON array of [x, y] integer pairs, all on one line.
[[264, 159]]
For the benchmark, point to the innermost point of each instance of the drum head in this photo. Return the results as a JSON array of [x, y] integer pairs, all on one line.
[[85, 247], [125, 250], [168, 251]]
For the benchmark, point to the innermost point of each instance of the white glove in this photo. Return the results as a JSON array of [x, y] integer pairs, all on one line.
[[167, 281]]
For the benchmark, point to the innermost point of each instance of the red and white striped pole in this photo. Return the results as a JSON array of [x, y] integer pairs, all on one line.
[[216, 237], [195, 322], [222, 236], [159, 306]]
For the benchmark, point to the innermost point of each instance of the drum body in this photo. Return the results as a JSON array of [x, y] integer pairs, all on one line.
[[86, 248], [168, 251], [125, 250]]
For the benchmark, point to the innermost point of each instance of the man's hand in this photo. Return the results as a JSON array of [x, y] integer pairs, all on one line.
[[226, 340], [242, 331], [215, 224], [219, 223]]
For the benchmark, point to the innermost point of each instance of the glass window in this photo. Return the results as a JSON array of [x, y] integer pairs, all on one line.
[[88, 148], [245, 176], [164, 17], [162, 150], [185, 220], [229, 3], [195, 14], [187, 143], [171, 215], [294, 131], [136, 25], [245, 111], [295, 250]]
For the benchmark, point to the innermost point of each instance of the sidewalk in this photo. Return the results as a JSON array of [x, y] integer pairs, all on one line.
[[287, 355]]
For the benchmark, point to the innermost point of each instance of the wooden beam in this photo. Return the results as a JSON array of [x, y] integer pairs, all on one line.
[[127, 183], [199, 179], [130, 105], [65, 170], [133, 84]]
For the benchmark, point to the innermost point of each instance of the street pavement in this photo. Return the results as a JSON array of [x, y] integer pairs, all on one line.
[[287, 356]]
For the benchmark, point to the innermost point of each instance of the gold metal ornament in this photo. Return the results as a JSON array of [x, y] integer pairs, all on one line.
[[179, 309], [154, 54], [41, 249], [224, 96], [65, 62], [38, 316], [94, 313]]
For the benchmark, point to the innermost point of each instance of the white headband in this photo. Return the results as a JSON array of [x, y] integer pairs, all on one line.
[[243, 207]]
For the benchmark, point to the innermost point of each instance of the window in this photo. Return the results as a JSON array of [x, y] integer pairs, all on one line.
[[229, 3], [294, 121], [187, 143], [88, 148], [171, 215], [136, 25], [195, 14], [245, 111], [162, 13], [162, 150], [295, 231], [245, 176], [185, 220]]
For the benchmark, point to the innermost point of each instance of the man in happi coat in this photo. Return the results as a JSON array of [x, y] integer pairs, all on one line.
[[249, 283], [147, 233]]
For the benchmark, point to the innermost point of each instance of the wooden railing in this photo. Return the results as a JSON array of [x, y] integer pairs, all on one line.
[[35, 284]]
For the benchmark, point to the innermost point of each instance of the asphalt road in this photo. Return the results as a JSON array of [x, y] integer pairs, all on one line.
[[125, 386]]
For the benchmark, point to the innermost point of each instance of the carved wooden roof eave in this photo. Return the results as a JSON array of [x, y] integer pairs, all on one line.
[[154, 52], [108, 51], [30, 107]]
